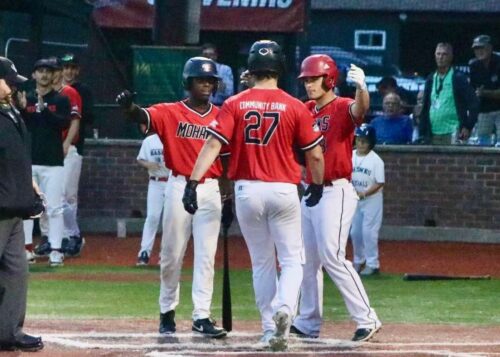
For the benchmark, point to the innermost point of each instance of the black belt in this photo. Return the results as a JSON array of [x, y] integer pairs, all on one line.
[[161, 179]]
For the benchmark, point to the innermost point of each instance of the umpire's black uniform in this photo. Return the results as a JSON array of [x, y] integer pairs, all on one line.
[[16, 201]]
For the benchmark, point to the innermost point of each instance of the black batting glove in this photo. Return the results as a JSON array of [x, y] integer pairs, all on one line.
[[189, 199], [227, 213], [315, 192], [125, 99]]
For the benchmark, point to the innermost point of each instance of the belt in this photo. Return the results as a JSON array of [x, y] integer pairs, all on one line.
[[335, 182], [162, 179], [203, 180]]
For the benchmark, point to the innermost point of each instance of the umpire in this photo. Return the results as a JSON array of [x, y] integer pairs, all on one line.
[[16, 201]]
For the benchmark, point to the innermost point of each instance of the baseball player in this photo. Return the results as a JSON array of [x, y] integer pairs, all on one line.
[[71, 74], [262, 125], [326, 226], [47, 114], [72, 164], [182, 128], [368, 180], [151, 157]]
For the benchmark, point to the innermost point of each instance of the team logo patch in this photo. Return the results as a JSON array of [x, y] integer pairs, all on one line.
[[213, 124], [206, 67], [264, 51]]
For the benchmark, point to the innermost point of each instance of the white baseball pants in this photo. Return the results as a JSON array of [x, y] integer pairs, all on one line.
[[50, 180], [72, 171], [325, 229], [365, 230], [269, 218], [177, 228], [155, 202]]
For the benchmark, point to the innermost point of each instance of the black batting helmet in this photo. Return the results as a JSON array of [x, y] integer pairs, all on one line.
[[266, 56], [198, 67], [367, 131]]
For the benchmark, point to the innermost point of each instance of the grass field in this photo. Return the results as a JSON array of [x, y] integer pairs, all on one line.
[[79, 292]]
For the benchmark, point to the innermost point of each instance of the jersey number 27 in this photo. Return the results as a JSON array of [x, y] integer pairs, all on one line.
[[260, 127]]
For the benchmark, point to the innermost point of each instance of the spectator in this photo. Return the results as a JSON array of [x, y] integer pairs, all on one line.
[[47, 114], [368, 179], [485, 79], [389, 85], [415, 116], [225, 88], [151, 158], [449, 106], [16, 201], [393, 128]]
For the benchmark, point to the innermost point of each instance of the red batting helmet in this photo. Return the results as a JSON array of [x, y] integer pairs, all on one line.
[[320, 65]]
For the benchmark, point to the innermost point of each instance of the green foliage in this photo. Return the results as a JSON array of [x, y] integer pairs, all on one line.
[[86, 295]]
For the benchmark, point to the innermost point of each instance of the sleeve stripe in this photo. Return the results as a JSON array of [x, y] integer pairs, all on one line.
[[218, 136], [313, 144], [148, 126], [225, 154], [76, 113]]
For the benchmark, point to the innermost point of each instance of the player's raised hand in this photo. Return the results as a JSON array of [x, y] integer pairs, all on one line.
[[315, 192], [125, 99], [357, 75], [190, 199]]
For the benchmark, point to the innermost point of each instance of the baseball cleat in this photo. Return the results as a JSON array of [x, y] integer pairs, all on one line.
[[30, 257], [279, 341], [56, 259], [367, 271], [167, 323], [295, 331], [75, 246], [207, 328], [364, 334], [268, 334], [43, 249], [143, 259]]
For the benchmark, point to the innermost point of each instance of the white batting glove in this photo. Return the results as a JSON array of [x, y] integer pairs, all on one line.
[[357, 75]]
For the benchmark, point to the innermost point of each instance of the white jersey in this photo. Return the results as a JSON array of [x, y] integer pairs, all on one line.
[[152, 151], [366, 171]]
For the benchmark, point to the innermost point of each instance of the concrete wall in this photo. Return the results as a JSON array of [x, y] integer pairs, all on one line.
[[446, 189]]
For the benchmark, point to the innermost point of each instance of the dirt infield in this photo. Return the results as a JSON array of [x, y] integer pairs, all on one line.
[[395, 256], [140, 338]]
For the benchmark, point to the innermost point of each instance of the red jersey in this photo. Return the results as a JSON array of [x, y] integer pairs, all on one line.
[[337, 125], [183, 132], [75, 102], [262, 128]]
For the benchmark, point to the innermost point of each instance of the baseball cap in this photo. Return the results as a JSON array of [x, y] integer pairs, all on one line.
[[43, 62], [56, 63], [8, 71], [70, 58], [481, 41]]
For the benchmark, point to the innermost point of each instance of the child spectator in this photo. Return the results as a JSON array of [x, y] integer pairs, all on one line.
[[368, 180]]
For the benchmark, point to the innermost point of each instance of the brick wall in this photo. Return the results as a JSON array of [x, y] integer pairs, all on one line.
[[442, 186]]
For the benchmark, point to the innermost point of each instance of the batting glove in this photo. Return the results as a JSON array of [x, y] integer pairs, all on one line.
[[125, 99], [189, 199], [357, 76], [315, 192]]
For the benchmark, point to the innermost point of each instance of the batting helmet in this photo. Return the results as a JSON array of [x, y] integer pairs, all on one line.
[[198, 67], [367, 131], [266, 56], [320, 65]]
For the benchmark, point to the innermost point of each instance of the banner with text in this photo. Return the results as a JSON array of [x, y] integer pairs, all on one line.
[[216, 15]]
